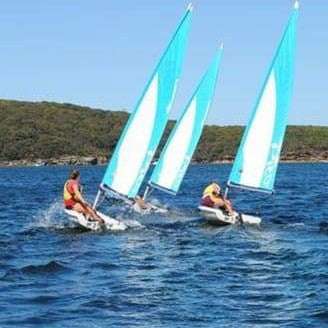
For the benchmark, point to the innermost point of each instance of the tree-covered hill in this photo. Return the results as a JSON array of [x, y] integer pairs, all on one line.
[[33, 130], [46, 129]]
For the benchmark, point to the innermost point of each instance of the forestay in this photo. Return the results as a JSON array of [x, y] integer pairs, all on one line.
[[144, 129], [177, 153], [257, 159]]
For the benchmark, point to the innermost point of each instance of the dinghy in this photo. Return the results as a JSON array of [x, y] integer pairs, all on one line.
[[82, 220], [175, 158], [142, 133], [218, 217], [145, 127], [256, 163]]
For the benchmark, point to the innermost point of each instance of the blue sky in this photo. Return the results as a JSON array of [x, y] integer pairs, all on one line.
[[100, 53]]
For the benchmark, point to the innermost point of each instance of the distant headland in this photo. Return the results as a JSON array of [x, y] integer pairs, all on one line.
[[49, 133]]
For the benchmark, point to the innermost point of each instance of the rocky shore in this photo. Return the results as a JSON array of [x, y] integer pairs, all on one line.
[[309, 157], [61, 161], [292, 157]]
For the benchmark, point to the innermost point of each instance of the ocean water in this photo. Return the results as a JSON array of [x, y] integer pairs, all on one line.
[[168, 270]]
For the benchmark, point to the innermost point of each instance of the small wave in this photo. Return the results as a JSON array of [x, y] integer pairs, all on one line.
[[106, 266], [40, 269], [168, 225], [295, 225], [42, 299], [133, 223], [156, 202], [50, 267], [278, 221], [101, 304], [311, 294], [321, 314], [323, 226], [12, 274]]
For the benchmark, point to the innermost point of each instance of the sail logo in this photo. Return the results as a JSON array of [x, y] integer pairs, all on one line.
[[183, 167], [169, 105], [142, 172], [271, 165]]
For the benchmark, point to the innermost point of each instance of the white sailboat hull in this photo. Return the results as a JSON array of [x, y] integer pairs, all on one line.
[[82, 220], [218, 217]]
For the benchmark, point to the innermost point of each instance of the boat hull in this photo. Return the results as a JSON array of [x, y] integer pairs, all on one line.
[[109, 223], [217, 217]]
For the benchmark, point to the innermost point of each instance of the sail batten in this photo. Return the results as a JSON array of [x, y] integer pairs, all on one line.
[[143, 131], [181, 144], [258, 155]]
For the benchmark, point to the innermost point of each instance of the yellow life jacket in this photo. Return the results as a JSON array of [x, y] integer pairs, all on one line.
[[208, 192], [67, 195]]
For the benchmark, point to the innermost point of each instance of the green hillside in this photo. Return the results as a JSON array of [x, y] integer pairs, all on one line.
[[32, 130]]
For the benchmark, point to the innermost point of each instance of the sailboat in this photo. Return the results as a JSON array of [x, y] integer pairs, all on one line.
[[145, 127], [174, 160], [256, 163]]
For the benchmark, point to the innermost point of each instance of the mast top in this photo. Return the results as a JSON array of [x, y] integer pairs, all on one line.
[[296, 5], [190, 7]]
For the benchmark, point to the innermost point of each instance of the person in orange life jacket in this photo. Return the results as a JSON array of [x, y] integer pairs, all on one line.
[[213, 198], [73, 199]]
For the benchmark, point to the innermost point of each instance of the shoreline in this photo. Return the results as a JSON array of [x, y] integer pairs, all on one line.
[[97, 161]]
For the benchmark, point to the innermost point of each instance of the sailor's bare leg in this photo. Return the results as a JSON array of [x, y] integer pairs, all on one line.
[[94, 214], [224, 203], [86, 209]]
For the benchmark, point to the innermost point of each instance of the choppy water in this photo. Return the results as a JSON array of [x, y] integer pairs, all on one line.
[[172, 271]]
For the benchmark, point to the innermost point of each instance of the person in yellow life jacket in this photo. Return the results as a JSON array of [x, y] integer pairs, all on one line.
[[213, 198], [73, 199]]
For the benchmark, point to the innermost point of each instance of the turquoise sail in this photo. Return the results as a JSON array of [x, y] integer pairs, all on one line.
[[257, 159], [177, 153], [144, 129]]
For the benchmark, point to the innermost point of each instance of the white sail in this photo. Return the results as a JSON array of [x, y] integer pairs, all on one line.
[[128, 169], [177, 149], [145, 127], [262, 125], [257, 159], [177, 153]]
